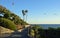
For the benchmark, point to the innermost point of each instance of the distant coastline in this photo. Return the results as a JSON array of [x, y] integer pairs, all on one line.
[[45, 26]]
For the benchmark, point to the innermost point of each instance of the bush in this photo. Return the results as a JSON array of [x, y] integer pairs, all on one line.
[[7, 24]]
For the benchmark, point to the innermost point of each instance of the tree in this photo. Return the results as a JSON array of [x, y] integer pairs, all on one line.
[[7, 15], [36, 28], [58, 28], [50, 28], [24, 13], [11, 16], [32, 33]]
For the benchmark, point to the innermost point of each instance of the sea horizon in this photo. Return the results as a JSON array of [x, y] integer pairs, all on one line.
[[46, 26]]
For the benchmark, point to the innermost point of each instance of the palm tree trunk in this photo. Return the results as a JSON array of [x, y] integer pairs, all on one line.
[[0, 29], [23, 18]]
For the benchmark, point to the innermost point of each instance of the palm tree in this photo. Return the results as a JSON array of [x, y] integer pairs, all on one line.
[[24, 13]]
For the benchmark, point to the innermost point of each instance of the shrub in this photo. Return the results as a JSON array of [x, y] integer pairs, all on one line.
[[7, 24]]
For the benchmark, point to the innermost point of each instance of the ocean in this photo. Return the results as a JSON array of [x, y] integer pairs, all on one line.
[[46, 26]]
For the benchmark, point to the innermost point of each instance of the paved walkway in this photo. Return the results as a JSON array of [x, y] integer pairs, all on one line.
[[17, 34]]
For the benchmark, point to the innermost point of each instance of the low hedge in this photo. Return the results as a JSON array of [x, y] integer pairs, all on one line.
[[7, 24]]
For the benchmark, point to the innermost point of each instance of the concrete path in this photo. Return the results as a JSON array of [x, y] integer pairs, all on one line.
[[17, 34]]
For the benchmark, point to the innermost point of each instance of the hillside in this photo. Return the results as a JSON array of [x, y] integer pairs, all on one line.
[[7, 14]]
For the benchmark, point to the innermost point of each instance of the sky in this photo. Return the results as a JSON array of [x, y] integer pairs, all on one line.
[[39, 11]]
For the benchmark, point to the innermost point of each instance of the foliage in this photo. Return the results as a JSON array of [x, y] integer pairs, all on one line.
[[32, 33], [50, 28], [24, 12], [58, 28], [7, 23], [35, 31], [37, 27], [7, 15], [11, 16]]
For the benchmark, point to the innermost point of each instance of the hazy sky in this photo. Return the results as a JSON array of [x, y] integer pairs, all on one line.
[[39, 11]]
